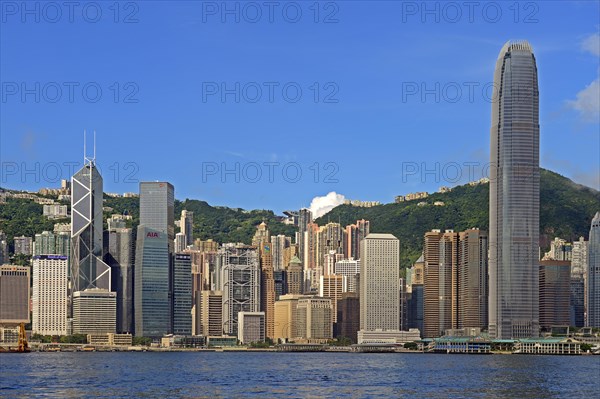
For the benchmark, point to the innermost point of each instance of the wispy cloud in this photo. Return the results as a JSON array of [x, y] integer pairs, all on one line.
[[591, 44], [587, 102]]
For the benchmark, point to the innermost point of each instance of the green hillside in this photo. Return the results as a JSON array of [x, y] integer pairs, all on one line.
[[566, 211]]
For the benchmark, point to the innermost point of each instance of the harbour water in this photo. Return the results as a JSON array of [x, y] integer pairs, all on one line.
[[296, 375]]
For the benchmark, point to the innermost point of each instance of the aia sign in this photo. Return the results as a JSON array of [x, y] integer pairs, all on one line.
[[153, 234]]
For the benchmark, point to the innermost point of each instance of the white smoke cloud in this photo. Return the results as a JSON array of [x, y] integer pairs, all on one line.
[[319, 206]]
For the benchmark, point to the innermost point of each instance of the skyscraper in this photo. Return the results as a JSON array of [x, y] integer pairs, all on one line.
[[88, 270], [514, 195], [267, 287], [151, 283], [555, 284], [380, 282], [49, 295], [119, 256], [304, 219], [187, 226], [240, 268], [472, 279], [157, 208], [181, 290], [593, 310], [211, 313], [14, 294], [313, 320], [155, 243]]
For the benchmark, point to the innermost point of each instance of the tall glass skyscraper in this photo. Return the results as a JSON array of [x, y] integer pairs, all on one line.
[[87, 268], [514, 195], [155, 244], [593, 315], [157, 208], [152, 307]]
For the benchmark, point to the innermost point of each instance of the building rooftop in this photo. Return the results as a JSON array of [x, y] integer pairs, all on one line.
[[381, 236]]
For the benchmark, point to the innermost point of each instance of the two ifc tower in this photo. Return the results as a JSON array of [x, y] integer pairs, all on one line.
[[513, 206]]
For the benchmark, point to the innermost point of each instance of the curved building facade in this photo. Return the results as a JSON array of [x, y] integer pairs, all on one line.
[[514, 195]]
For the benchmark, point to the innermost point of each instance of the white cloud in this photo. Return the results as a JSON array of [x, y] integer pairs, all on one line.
[[588, 102], [319, 206], [592, 44]]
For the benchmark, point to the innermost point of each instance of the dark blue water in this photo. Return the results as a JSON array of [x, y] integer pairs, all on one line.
[[296, 375]]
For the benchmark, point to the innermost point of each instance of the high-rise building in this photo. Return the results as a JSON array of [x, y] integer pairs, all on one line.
[[351, 269], [14, 294], [4, 255], [181, 290], [348, 317], [559, 250], [593, 274], [472, 279], [180, 242], [280, 280], [44, 244], [380, 282], [514, 195], [94, 311], [295, 277], [279, 244], [49, 295], [554, 293], [211, 313], [261, 235], [157, 208], [310, 246], [152, 307], [579, 266], [304, 219], [240, 268], [440, 252], [251, 327], [333, 286], [415, 303], [285, 317], [187, 226], [118, 254], [23, 245], [331, 237], [454, 281], [267, 286], [88, 270], [355, 233], [313, 320]]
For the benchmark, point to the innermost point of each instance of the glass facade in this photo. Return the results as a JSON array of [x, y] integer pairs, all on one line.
[[594, 274], [514, 195], [151, 294], [182, 294]]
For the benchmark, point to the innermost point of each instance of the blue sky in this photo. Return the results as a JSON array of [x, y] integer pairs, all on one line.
[[384, 94]]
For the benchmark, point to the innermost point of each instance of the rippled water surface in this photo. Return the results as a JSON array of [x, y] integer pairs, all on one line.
[[289, 375]]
